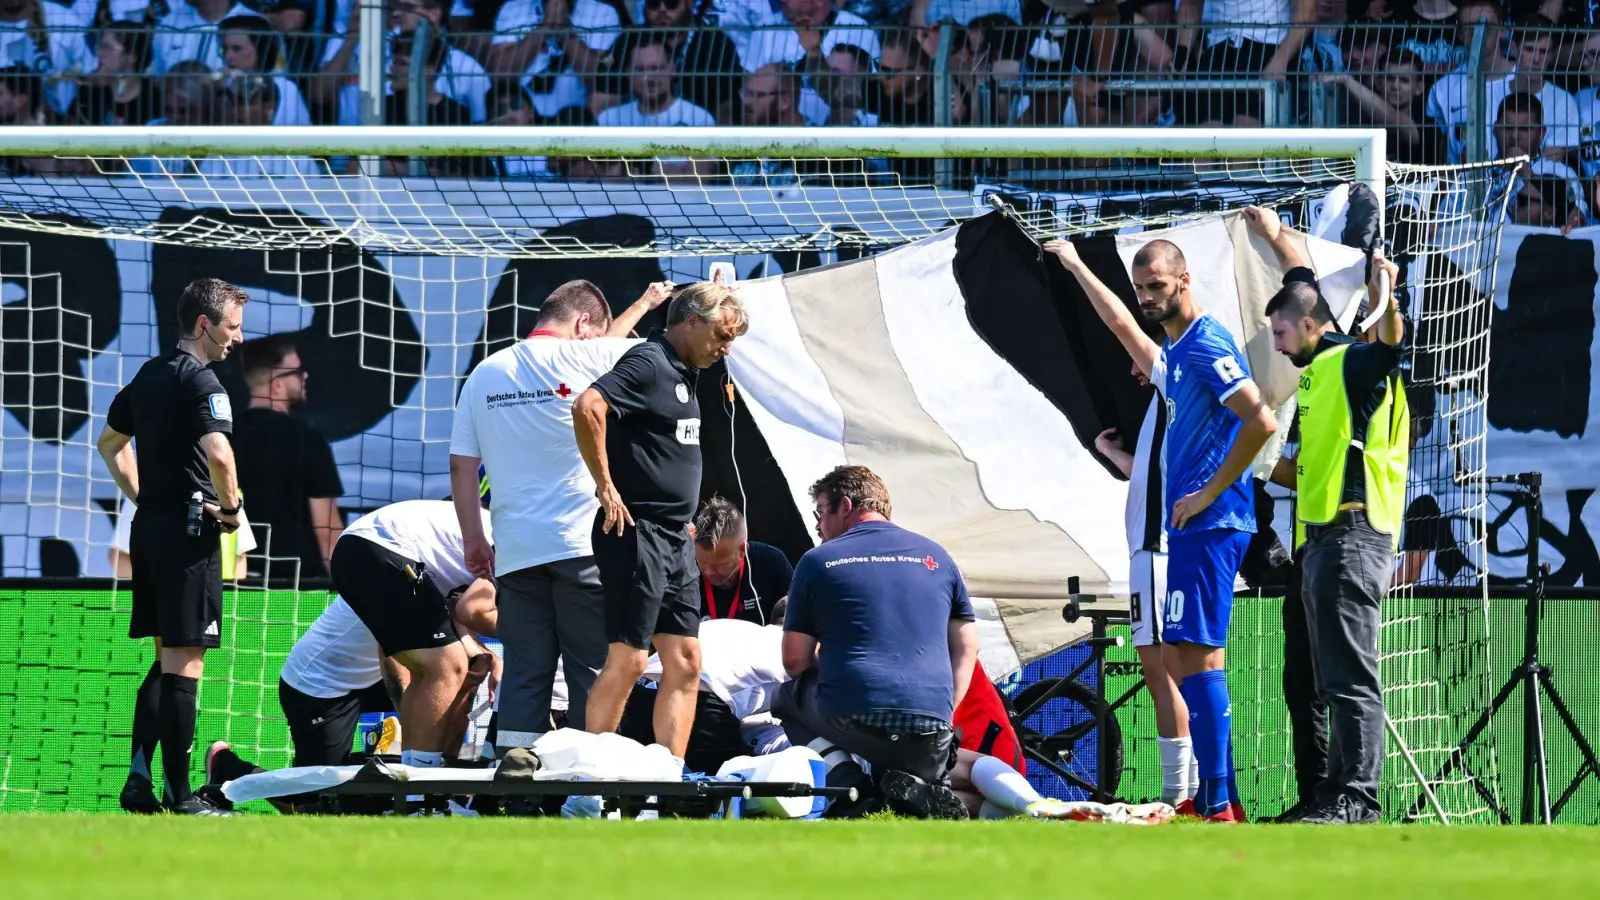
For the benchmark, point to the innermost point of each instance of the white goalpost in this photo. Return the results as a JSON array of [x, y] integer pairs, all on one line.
[[411, 272]]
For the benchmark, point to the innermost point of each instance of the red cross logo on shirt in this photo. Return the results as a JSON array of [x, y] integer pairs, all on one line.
[[931, 563], [563, 391]]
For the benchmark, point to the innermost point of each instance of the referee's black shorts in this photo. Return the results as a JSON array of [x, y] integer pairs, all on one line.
[[177, 579], [323, 729], [713, 739], [649, 578], [393, 596]]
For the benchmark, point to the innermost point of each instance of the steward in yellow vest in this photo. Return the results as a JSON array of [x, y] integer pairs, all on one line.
[[1350, 474]]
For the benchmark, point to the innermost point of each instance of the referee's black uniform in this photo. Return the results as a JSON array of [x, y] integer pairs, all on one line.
[[648, 573], [168, 407]]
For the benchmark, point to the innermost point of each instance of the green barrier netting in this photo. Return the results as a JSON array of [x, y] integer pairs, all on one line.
[[68, 673]]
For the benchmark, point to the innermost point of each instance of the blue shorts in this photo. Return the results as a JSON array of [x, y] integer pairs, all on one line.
[[1201, 567]]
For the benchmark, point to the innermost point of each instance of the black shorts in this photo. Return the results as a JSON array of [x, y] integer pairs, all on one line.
[[649, 577], [1243, 59], [713, 740], [393, 596], [177, 579], [324, 729]]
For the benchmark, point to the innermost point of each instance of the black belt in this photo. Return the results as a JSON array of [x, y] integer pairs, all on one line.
[[1341, 519]]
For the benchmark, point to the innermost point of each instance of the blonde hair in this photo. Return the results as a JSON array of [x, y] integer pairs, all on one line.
[[706, 300]]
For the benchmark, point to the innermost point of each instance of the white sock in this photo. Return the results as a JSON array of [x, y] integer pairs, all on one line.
[[422, 759], [1177, 756], [991, 810], [1194, 772], [1002, 785]]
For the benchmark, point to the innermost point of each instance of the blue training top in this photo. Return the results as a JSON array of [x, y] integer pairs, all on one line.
[[1196, 374], [880, 599]]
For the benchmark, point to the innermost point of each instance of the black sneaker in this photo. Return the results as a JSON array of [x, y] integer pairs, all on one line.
[[909, 795], [139, 797], [1342, 811], [1295, 813], [196, 805]]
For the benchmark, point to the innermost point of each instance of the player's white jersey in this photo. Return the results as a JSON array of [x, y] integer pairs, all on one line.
[[741, 662], [424, 530]]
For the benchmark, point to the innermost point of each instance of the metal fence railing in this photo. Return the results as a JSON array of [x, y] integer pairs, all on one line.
[[1439, 89]]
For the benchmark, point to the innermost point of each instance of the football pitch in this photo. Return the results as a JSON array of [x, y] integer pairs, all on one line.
[[254, 857]]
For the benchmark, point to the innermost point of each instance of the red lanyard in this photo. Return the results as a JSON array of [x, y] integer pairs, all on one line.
[[543, 332], [711, 600]]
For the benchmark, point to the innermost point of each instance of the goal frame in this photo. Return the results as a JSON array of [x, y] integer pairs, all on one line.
[[1365, 146]]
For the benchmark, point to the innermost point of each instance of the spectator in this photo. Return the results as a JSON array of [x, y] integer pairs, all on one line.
[[1322, 51], [304, 26], [904, 86], [1588, 101], [962, 12], [250, 45], [557, 45], [1366, 51], [46, 38], [253, 101], [707, 60], [805, 30], [190, 95], [925, 30], [1110, 44], [655, 96], [1532, 41], [117, 92], [439, 109], [1448, 98], [844, 86], [286, 467], [21, 93], [1549, 203], [190, 32], [461, 78], [1266, 47], [1394, 103], [1435, 35], [992, 54], [1519, 131], [771, 96]]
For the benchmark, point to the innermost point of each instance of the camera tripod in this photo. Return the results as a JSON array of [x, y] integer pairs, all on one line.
[[1537, 684]]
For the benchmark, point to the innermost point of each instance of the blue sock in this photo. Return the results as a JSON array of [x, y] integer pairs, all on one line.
[[1209, 709]]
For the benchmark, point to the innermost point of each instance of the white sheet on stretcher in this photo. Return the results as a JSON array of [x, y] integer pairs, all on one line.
[[565, 755]]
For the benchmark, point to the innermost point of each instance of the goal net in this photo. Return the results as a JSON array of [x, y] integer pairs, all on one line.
[[397, 258]]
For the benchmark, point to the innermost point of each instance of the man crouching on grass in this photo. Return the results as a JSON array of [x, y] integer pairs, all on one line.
[[898, 643]]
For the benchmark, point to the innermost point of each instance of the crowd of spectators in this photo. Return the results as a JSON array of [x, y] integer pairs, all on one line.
[[1410, 66]]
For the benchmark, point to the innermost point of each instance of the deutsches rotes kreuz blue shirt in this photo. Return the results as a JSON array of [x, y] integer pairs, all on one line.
[[1196, 374], [880, 600]]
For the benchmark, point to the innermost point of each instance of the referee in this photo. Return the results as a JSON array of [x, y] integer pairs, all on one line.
[[176, 409], [638, 428], [1350, 477]]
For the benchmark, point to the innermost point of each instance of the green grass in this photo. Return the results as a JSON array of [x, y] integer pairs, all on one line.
[[78, 855]]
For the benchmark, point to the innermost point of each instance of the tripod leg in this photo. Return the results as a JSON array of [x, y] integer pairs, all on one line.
[[1416, 771], [1571, 724]]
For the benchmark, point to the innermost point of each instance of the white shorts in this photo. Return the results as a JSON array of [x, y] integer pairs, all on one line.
[[1147, 596]]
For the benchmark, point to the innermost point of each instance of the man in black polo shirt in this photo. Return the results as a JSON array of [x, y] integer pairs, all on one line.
[[638, 428], [739, 578], [285, 465], [178, 412]]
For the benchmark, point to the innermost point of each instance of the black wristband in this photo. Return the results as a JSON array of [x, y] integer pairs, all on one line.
[[231, 512]]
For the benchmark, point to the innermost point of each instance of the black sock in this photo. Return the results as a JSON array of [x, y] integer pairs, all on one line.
[[146, 724], [178, 696]]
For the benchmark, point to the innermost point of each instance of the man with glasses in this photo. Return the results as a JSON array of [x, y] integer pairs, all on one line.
[[285, 465]]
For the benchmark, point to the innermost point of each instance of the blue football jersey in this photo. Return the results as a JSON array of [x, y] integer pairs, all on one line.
[[1196, 374]]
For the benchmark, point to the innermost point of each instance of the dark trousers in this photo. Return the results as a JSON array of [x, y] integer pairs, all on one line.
[[1346, 573], [1308, 715], [927, 755], [548, 612]]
